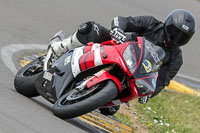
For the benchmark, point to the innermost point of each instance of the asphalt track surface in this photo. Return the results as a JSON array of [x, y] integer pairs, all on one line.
[[36, 21]]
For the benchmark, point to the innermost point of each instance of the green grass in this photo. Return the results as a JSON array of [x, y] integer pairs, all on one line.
[[125, 119], [170, 112]]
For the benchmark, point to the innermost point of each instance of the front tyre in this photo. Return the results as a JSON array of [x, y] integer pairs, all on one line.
[[26, 76], [72, 104]]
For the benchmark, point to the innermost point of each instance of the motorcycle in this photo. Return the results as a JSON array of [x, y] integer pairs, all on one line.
[[92, 76]]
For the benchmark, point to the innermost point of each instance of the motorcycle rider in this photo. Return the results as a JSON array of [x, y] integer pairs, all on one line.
[[175, 32]]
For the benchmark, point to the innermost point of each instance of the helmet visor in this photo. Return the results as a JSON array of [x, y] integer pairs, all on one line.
[[177, 36]]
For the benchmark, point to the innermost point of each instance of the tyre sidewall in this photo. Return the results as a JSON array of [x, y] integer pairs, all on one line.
[[91, 103], [25, 85]]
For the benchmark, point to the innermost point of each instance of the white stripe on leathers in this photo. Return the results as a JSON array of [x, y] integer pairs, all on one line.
[[78, 52], [116, 21], [97, 57]]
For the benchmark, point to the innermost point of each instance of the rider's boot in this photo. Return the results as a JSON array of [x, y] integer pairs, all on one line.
[[80, 37], [60, 44], [71, 42]]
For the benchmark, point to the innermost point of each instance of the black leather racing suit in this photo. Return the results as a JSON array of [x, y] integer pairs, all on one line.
[[153, 30], [146, 26]]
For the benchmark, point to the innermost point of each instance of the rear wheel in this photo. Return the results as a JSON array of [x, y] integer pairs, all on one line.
[[26, 76], [76, 102]]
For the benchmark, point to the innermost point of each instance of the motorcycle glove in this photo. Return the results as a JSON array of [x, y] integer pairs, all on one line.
[[118, 35]]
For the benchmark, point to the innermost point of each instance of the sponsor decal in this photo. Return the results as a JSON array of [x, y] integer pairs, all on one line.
[[185, 27], [116, 22], [96, 28], [67, 60], [147, 65], [152, 51], [47, 75]]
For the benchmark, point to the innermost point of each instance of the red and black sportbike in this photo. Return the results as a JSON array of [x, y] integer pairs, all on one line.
[[92, 76]]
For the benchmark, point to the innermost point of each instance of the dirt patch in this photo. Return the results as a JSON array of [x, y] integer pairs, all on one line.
[[131, 112]]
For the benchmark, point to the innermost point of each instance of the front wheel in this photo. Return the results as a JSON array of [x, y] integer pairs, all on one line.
[[76, 103]]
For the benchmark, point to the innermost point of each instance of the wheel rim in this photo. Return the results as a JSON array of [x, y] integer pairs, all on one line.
[[33, 69], [75, 95]]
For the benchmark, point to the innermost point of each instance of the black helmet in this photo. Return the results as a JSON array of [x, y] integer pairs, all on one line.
[[179, 27]]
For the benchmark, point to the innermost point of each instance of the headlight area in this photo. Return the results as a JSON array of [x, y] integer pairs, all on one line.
[[129, 58], [143, 87]]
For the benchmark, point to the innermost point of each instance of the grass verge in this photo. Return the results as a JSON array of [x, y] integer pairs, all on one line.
[[169, 112], [126, 120]]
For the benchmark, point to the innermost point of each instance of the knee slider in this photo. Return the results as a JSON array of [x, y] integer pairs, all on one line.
[[85, 28]]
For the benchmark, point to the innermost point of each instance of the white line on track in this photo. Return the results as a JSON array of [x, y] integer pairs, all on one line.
[[8, 51], [188, 77]]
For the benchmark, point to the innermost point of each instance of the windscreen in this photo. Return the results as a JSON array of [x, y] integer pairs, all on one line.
[[153, 56], [146, 74]]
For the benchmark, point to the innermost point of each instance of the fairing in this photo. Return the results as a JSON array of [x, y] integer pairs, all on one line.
[[61, 77], [147, 70], [87, 60]]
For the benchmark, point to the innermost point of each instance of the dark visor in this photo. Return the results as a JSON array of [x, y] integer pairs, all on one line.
[[177, 36]]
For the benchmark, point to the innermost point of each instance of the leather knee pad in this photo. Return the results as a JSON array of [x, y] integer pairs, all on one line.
[[92, 32], [83, 32], [85, 28]]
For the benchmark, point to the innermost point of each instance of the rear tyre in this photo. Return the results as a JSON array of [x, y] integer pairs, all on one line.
[[72, 105], [26, 76]]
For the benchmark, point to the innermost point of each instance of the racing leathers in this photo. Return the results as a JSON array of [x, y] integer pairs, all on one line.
[[87, 32]]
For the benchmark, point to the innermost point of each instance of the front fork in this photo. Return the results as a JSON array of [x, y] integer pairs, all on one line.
[[103, 75]]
